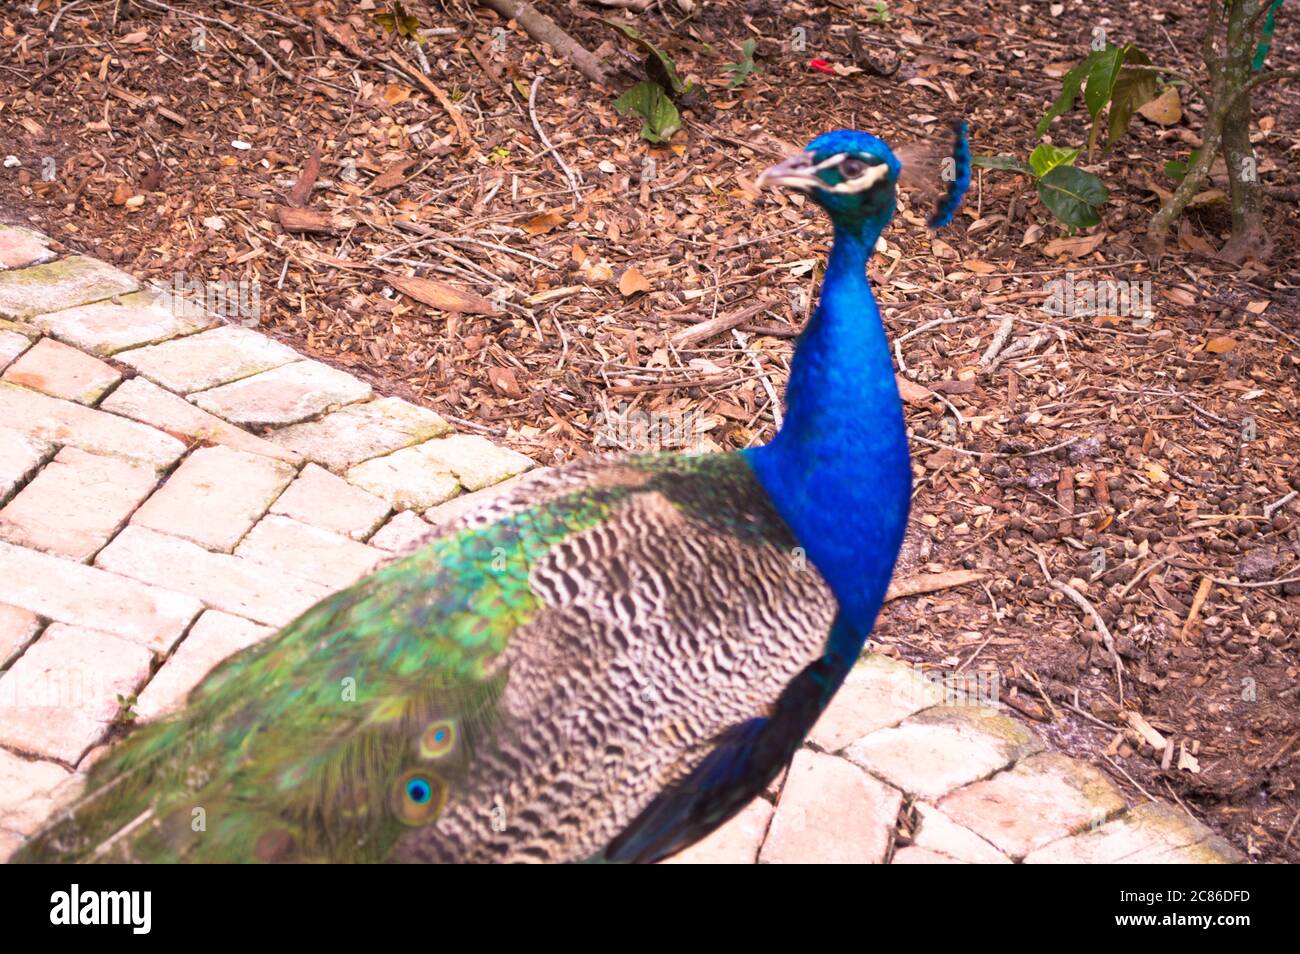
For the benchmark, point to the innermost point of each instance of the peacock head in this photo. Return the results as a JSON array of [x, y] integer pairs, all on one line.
[[855, 176]]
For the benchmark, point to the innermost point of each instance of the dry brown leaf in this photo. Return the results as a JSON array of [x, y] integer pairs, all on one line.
[[1074, 247], [979, 267], [541, 224], [1165, 110], [503, 379], [631, 282], [441, 296], [1220, 345], [122, 193], [393, 175]]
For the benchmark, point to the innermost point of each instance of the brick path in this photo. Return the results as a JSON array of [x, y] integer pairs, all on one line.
[[173, 488]]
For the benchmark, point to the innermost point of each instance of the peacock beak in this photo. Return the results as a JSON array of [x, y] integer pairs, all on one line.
[[794, 172]]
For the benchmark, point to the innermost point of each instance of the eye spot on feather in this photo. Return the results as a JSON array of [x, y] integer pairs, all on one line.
[[419, 797], [438, 739], [274, 845]]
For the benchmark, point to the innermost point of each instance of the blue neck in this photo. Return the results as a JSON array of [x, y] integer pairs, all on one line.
[[838, 471]]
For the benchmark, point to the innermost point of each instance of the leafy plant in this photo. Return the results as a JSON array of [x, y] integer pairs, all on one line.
[[652, 99], [1107, 77], [659, 65], [126, 713], [743, 69], [1070, 194], [881, 13], [648, 100], [398, 21]]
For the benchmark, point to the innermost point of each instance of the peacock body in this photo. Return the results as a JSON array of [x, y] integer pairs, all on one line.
[[604, 664]]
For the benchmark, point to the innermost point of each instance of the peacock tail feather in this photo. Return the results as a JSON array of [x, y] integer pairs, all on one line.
[[382, 724]]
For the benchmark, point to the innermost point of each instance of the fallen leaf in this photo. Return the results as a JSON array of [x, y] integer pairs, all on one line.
[[1074, 247], [1220, 345], [631, 282], [393, 175], [503, 379], [1165, 110], [441, 295], [978, 267], [122, 193], [541, 224]]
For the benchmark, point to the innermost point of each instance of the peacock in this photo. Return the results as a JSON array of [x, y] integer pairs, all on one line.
[[603, 664]]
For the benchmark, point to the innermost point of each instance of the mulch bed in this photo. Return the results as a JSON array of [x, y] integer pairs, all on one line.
[[438, 248]]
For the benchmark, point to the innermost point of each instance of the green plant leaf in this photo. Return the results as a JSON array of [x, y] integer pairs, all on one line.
[[1005, 163], [652, 104], [669, 68], [1177, 168], [1070, 84], [1133, 89], [1045, 158], [1101, 78], [1073, 196], [745, 68]]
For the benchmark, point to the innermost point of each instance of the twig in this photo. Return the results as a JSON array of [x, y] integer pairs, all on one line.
[[1269, 509], [1132, 781], [999, 341], [271, 60], [545, 30], [762, 376], [550, 147], [978, 453], [1081, 601]]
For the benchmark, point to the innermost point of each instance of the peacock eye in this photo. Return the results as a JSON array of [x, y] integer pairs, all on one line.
[[852, 167]]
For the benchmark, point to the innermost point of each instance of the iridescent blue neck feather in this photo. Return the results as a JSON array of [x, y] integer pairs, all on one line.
[[838, 470]]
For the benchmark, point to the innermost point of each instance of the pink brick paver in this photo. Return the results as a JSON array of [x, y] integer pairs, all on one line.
[[17, 627], [321, 556], [70, 592], [831, 810], [284, 395], [735, 843], [361, 431], [225, 582], [215, 496], [60, 371], [207, 359], [401, 533], [203, 536], [142, 400], [20, 455], [20, 247], [60, 697], [213, 637], [30, 789], [12, 344], [76, 503], [1046, 797], [324, 500], [407, 479], [130, 321], [52, 286], [66, 422]]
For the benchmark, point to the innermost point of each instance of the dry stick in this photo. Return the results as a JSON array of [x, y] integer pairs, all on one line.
[[1119, 768], [977, 453], [1081, 601], [550, 147], [1269, 509], [271, 60], [543, 29]]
